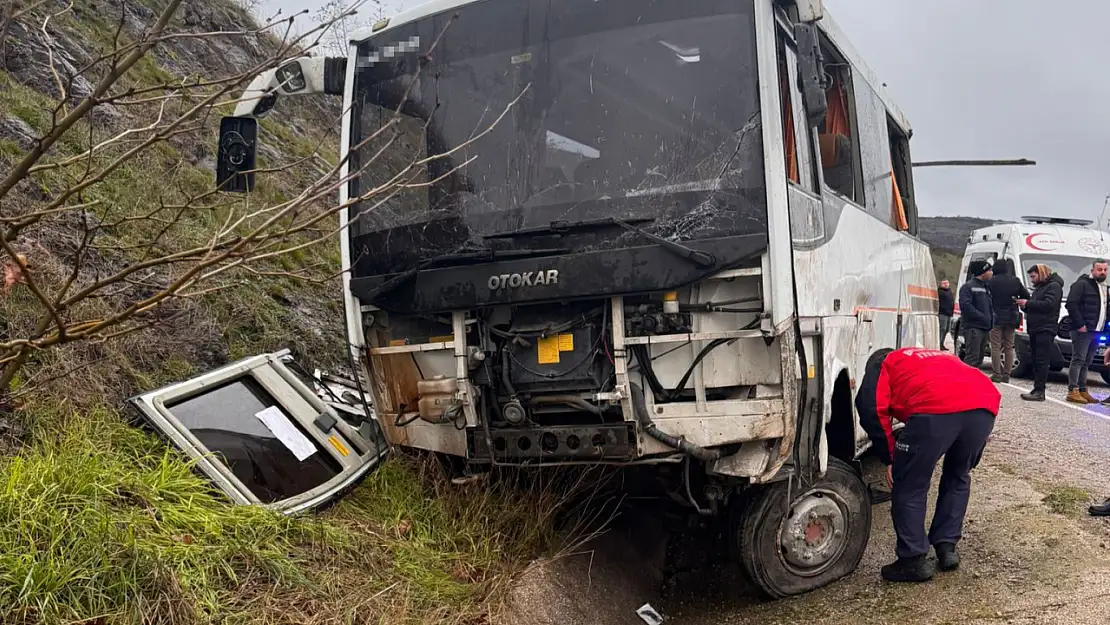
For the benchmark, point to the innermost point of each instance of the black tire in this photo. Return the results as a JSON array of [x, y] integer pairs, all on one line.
[[766, 517], [1023, 368]]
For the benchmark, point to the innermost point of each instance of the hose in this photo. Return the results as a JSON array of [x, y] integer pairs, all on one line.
[[506, 381], [670, 440]]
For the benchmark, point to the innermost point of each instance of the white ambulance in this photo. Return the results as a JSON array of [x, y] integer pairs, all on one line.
[[1068, 246]]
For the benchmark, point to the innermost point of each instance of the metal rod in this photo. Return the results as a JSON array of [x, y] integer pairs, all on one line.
[[1017, 162]]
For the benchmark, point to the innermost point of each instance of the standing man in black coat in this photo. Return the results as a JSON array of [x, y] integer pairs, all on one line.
[[1006, 288], [1042, 321], [1087, 310], [976, 312], [944, 312]]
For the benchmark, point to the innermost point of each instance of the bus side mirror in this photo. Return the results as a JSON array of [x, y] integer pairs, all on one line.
[[811, 73], [235, 157]]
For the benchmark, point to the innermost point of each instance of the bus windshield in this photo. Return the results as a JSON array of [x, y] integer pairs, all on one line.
[[519, 114]]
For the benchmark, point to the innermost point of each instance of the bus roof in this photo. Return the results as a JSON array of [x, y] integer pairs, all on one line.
[[827, 26]]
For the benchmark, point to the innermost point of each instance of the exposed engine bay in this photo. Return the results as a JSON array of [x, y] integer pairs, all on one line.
[[543, 379]]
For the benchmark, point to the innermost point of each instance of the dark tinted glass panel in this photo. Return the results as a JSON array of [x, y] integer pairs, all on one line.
[[540, 110], [224, 421]]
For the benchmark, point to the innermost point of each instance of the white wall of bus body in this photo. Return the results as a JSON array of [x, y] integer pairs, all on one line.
[[865, 264], [839, 339], [352, 308], [779, 299]]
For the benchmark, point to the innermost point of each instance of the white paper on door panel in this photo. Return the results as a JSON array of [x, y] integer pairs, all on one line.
[[276, 421]]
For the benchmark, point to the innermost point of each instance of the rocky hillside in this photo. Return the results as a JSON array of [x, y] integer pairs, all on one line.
[[950, 233], [947, 236]]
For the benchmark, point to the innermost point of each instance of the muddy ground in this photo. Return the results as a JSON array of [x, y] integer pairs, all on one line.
[[1030, 553]]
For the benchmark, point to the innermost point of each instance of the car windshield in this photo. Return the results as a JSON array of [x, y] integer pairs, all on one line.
[[518, 114], [1070, 268]]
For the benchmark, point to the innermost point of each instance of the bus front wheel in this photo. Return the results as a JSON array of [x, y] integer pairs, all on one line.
[[789, 547]]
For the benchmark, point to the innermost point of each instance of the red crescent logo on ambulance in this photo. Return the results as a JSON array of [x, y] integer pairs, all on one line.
[[1042, 241]]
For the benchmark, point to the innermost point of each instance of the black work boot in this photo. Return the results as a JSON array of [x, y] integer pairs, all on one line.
[[997, 377], [947, 558], [915, 569], [1034, 395], [1102, 509]]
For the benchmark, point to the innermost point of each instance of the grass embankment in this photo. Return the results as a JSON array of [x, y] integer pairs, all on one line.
[[99, 520]]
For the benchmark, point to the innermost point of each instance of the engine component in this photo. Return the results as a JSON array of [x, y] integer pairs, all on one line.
[[567, 361], [436, 396], [514, 413]]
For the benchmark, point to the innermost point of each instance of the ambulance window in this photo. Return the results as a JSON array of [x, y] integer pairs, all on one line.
[[990, 257]]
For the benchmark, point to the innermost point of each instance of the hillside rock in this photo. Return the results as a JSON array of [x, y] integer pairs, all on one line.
[[949, 233], [59, 42]]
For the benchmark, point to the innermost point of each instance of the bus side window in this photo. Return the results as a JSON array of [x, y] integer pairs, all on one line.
[[904, 208], [797, 135], [838, 134]]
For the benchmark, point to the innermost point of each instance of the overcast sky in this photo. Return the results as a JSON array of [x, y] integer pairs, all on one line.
[[985, 79]]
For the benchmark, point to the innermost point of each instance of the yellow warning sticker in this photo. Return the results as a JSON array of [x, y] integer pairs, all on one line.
[[566, 342], [340, 447], [548, 350]]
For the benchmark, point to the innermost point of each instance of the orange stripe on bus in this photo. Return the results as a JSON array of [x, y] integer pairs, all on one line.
[[921, 291]]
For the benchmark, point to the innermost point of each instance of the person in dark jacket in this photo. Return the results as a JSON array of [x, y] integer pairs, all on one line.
[[945, 311], [949, 410], [1087, 310], [976, 312], [1042, 321], [1102, 509], [1006, 288]]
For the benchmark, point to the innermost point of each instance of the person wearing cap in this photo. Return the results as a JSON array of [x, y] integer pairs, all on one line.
[[949, 410], [976, 312]]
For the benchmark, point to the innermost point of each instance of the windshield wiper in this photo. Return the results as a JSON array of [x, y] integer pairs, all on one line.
[[560, 227], [484, 254], [698, 257]]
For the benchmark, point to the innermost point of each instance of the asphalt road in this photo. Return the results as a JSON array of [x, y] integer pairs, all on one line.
[[1030, 552]]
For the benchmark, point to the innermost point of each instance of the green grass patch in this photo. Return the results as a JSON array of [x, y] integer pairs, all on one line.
[[98, 519], [1066, 500]]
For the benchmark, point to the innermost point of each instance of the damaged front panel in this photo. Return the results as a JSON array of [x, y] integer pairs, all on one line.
[[263, 436]]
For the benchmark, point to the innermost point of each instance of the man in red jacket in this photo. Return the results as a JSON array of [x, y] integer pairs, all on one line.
[[949, 410]]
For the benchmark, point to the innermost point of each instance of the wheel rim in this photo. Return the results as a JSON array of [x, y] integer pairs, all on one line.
[[814, 533]]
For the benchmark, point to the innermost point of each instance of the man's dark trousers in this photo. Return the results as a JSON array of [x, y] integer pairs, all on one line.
[[960, 438], [975, 346]]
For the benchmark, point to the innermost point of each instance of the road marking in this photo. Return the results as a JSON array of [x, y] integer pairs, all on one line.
[[1063, 403]]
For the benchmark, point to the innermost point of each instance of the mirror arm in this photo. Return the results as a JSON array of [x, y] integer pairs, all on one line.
[[811, 72]]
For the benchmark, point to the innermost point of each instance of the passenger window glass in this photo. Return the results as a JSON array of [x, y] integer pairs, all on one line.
[[796, 133], [223, 420], [903, 209], [838, 134], [263, 435]]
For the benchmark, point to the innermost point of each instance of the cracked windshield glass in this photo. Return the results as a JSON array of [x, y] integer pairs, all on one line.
[[521, 116]]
